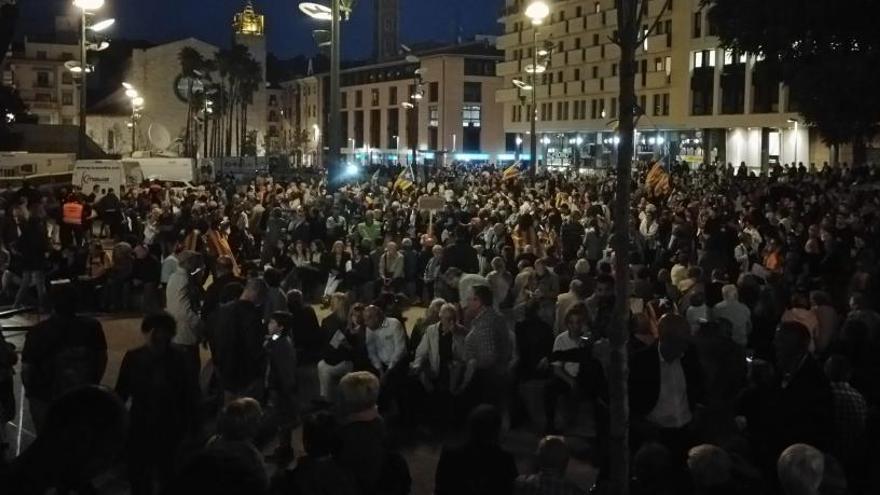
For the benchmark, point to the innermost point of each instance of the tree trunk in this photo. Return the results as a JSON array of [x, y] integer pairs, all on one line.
[[618, 372]]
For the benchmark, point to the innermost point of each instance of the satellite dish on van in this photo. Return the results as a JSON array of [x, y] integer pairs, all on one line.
[[159, 136]]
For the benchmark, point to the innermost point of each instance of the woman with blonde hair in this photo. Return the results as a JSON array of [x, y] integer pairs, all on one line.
[[432, 316]]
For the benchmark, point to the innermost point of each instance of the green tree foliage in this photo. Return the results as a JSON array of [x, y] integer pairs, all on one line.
[[826, 51]]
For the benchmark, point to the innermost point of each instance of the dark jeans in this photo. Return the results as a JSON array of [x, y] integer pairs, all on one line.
[[393, 389], [554, 389]]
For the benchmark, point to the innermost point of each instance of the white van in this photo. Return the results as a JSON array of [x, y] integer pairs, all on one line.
[[177, 171], [36, 168], [106, 174]]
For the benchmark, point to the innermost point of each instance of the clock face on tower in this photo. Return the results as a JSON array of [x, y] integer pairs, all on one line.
[[185, 87]]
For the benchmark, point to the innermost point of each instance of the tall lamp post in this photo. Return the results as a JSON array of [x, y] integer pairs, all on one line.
[[87, 9], [537, 11], [137, 104], [335, 13]]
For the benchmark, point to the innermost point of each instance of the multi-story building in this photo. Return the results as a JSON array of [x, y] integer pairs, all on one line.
[[698, 102], [438, 104], [35, 69]]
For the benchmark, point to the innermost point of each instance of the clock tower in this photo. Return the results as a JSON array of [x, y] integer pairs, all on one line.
[[387, 29], [249, 30]]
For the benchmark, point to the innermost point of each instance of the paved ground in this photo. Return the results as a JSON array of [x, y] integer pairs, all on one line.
[[123, 334]]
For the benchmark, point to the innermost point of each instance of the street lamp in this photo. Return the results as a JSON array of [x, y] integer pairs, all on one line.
[[796, 123], [137, 104], [537, 12], [334, 14], [87, 8]]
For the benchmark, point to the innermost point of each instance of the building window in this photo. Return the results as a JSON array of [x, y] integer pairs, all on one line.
[[658, 64], [594, 106], [613, 70], [343, 100], [470, 115], [41, 55], [473, 91], [358, 99], [43, 79], [433, 116], [643, 103], [698, 24], [374, 97], [111, 139], [577, 74], [595, 40], [66, 78], [577, 43], [614, 107], [666, 104], [67, 98], [704, 58], [392, 95], [273, 100], [597, 7], [578, 11], [434, 92]]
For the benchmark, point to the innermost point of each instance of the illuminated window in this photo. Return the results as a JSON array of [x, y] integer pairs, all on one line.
[[470, 115], [433, 116]]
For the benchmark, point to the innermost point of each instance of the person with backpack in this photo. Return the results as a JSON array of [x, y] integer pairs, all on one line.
[[62, 353]]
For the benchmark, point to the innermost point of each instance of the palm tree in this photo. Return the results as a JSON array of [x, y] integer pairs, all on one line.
[[191, 66], [251, 78]]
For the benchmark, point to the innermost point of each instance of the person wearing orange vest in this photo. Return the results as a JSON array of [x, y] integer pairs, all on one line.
[[72, 220]]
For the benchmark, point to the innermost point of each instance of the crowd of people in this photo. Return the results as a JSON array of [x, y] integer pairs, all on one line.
[[753, 349]]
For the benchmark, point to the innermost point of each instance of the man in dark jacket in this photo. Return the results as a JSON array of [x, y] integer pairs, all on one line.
[[223, 276], [238, 343], [572, 236], [665, 386], [461, 255], [62, 353], [32, 246]]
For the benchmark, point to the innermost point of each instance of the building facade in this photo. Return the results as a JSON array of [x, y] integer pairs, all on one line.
[[436, 106], [697, 102], [35, 69]]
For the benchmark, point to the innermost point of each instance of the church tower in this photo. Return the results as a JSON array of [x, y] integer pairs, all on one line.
[[387, 42], [249, 30]]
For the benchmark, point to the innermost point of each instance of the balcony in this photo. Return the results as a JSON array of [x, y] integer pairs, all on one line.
[[507, 95], [508, 40], [42, 105], [657, 80], [510, 68]]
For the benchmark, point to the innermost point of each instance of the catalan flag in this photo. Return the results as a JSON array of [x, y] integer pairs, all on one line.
[[404, 180], [658, 182], [511, 172]]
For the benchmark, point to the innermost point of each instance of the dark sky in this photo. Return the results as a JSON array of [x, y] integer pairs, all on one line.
[[288, 30]]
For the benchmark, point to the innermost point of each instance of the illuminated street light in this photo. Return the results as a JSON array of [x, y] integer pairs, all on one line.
[[407, 105], [316, 11], [88, 4], [131, 93], [537, 12], [127, 85], [523, 85], [533, 69], [102, 25]]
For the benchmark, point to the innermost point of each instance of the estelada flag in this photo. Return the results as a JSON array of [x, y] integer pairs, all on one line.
[[511, 172], [404, 181]]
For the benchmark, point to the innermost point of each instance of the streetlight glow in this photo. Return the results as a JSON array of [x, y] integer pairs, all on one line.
[[137, 102], [537, 12], [316, 11], [127, 85], [522, 85], [539, 69], [102, 25], [407, 105], [131, 93], [88, 4]]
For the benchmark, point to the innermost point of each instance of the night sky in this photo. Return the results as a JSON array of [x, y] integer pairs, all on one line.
[[289, 31]]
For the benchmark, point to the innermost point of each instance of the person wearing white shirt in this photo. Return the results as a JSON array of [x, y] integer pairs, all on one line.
[[439, 360], [737, 313], [565, 367], [665, 383], [386, 348]]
